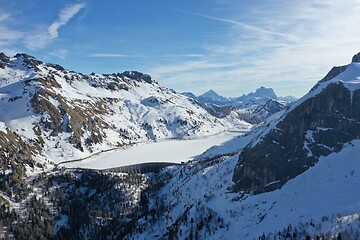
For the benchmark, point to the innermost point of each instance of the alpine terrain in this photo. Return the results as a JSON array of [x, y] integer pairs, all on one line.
[[291, 171], [254, 107]]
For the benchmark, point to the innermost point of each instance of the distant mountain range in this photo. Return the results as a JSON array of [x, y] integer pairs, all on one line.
[[254, 107], [261, 95]]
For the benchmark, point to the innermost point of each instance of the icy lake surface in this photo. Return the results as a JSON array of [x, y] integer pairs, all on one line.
[[175, 151]]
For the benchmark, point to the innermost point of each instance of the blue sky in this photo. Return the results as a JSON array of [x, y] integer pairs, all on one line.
[[230, 46]]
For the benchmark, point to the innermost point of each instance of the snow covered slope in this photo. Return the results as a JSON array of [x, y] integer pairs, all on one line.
[[323, 201], [295, 177], [68, 115], [317, 125]]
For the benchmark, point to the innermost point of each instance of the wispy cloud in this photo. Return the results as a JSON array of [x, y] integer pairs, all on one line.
[[64, 17], [110, 55], [4, 16], [42, 38], [59, 53], [119, 55], [286, 45], [246, 26], [7, 35], [189, 55]]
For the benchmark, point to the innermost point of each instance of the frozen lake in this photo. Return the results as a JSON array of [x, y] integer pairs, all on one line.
[[175, 151]]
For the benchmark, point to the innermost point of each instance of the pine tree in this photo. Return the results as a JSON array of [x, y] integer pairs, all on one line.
[[339, 236]]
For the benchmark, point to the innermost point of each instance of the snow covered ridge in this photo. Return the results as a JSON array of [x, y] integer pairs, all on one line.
[[254, 107], [68, 115], [316, 125]]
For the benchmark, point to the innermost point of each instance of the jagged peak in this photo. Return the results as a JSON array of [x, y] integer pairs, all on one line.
[[29, 60], [261, 92], [356, 58], [4, 57], [211, 91], [265, 90], [336, 71], [3, 60], [211, 94], [137, 76]]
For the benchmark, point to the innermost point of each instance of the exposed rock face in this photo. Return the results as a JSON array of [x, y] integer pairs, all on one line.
[[261, 93], [317, 127], [15, 156], [30, 61], [270, 107], [3, 60], [335, 71], [356, 58], [138, 76]]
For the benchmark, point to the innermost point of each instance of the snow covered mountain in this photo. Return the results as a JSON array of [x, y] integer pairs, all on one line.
[[253, 108], [317, 125], [66, 115], [212, 97], [295, 177], [261, 94]]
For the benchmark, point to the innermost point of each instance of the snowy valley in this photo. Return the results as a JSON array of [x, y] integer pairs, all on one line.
[[253, 167]]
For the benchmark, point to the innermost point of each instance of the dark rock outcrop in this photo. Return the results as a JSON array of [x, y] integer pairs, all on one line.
[[30, 61], [335, 71], [317, 127], [3, 60], [137, 76], [356, 58]]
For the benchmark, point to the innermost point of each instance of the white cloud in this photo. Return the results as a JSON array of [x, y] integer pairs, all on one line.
[[64, 17], [286, 45], [246, 26], [4, 16], [119, 55], [109, 55], [189, 55], [59, 53], [42, 38], [9, 34]]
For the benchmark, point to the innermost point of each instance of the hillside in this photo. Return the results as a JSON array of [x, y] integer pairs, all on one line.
[[272, 183], [67, 115], [295, 176], [317, 125]]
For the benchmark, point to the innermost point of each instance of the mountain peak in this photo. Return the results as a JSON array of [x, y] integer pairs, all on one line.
[[356, 58], [137, 76], [337, 70], [29, 60], [265, 92], [213, 96], [3, 60], [210, 93]]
